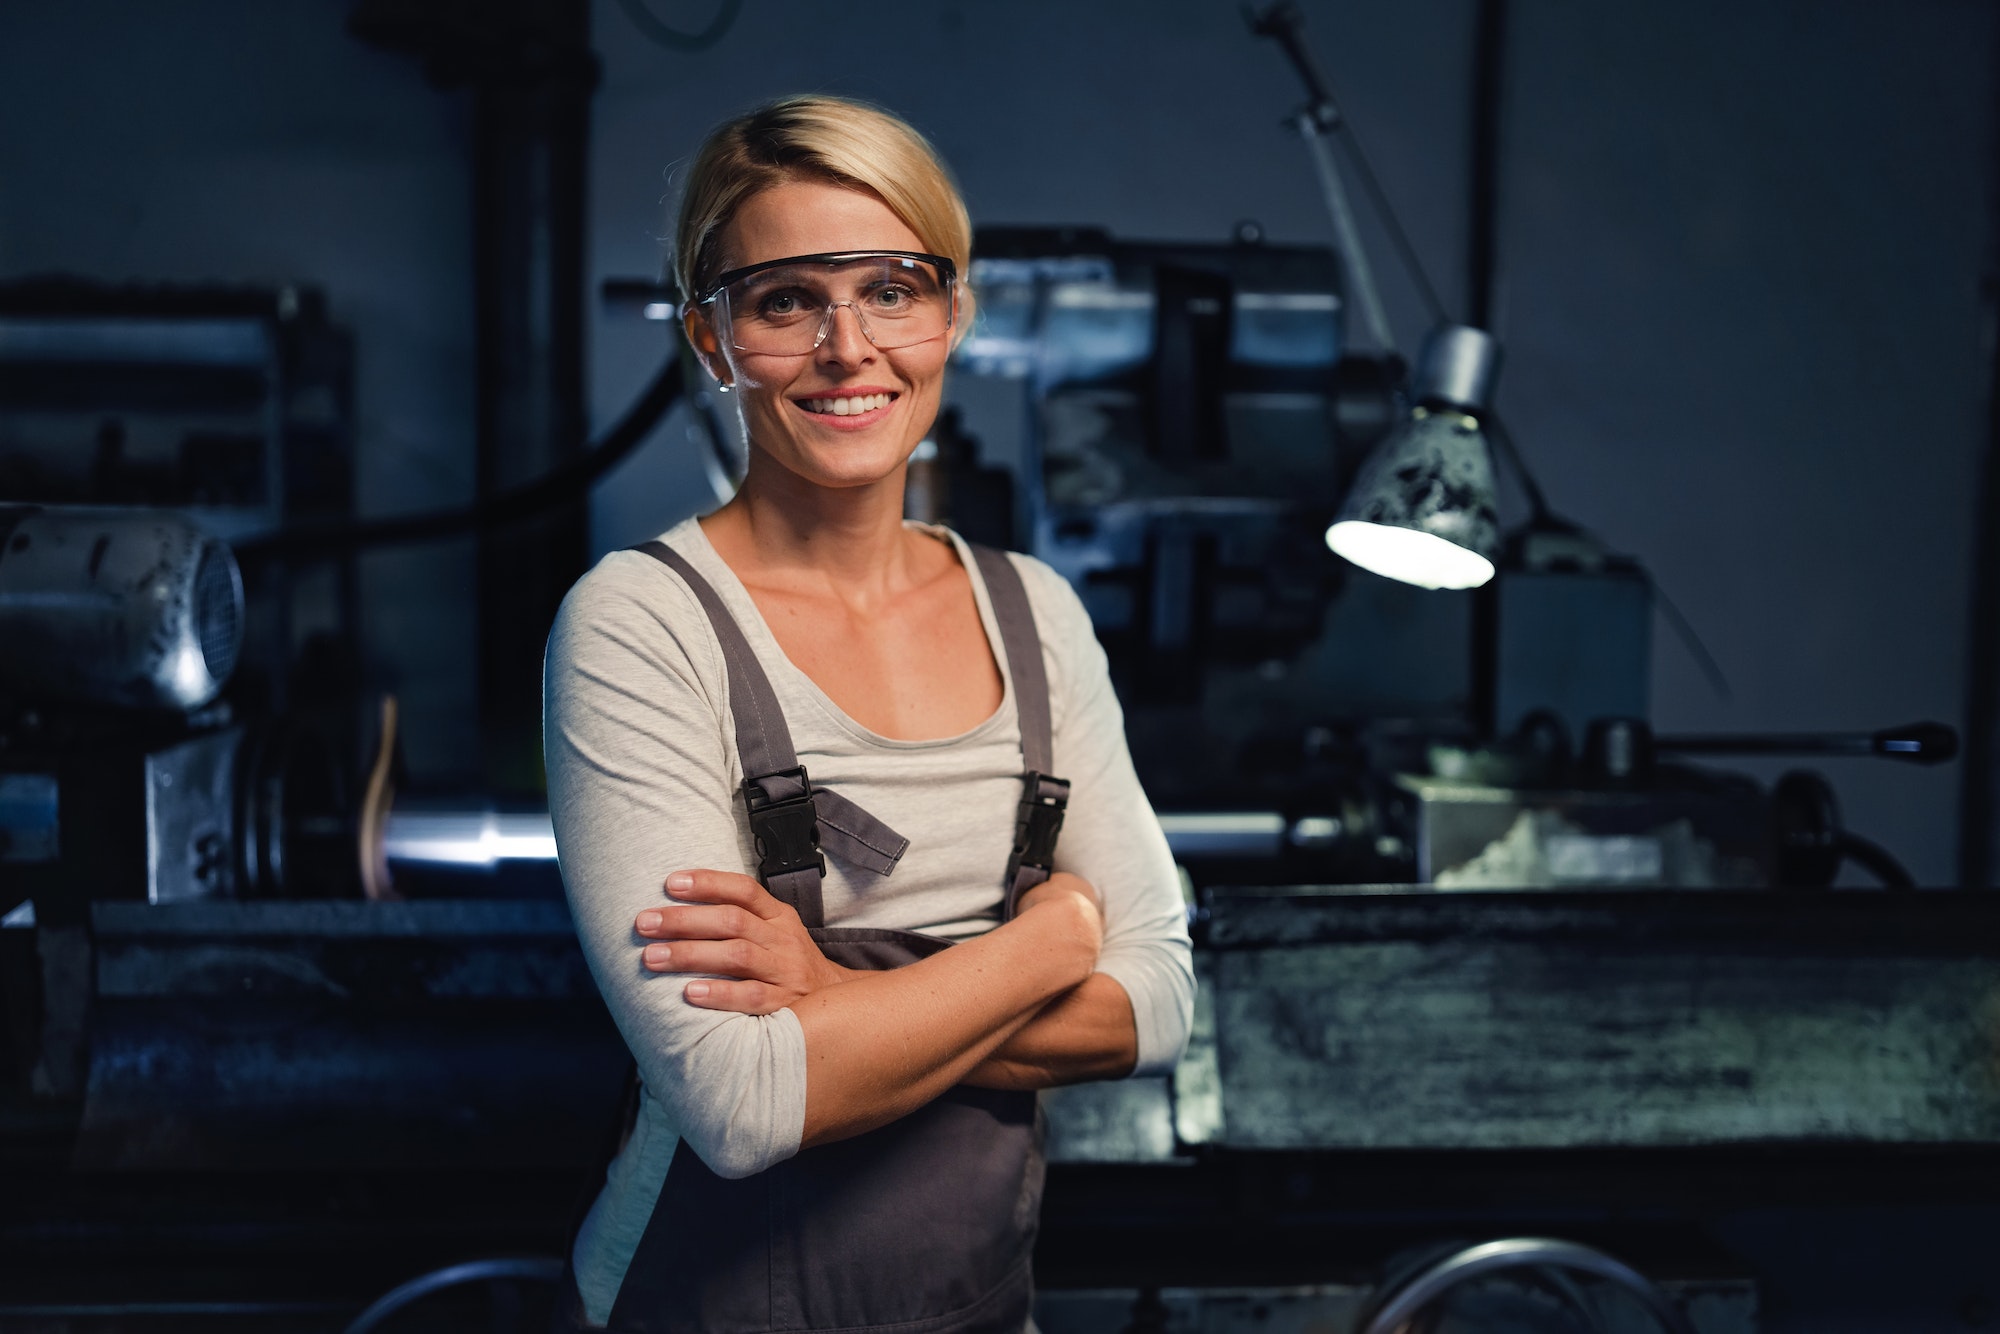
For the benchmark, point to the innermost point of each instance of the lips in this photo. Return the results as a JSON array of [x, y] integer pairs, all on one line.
[[846, 405]]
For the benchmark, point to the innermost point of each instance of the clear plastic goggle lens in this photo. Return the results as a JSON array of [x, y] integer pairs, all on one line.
[[789, 311]]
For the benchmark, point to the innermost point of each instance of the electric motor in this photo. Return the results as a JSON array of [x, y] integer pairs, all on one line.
[[132, 608]]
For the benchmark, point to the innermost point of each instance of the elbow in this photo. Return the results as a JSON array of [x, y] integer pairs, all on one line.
[[734, 1165], [1177, 1048], [733, 1155], [1163, 1004], [1164, 1059], [737, 1096], [1185, 1001]]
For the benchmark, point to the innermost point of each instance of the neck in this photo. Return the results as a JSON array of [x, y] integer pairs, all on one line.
[[782, 528]]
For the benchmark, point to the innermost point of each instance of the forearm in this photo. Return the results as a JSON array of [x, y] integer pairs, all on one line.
[[885, 1043], [1086, 1033]]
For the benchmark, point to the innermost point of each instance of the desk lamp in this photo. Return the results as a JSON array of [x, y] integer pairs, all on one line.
[[1422, 508]]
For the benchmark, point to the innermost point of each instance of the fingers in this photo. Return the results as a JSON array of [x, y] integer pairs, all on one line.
[[724, 887], [703, 922], [728, 958], [719, 888], [738, 997]]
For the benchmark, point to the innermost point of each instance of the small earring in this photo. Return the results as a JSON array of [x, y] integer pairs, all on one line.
[[722, 386]]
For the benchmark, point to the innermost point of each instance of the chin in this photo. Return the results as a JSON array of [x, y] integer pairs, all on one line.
[[845, 464], [845, 459]]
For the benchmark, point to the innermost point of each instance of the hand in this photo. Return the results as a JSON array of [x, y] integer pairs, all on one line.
[[1073, 891], [734, 928]]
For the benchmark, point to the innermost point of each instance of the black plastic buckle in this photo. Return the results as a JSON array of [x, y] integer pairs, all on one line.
[[1039, 823], [786, 832]]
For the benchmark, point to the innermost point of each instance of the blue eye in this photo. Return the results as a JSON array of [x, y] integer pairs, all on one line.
[[892, 298], [782, 305]]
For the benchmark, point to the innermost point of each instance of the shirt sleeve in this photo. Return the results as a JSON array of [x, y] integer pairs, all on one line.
[[640, 785], [1110, 835]]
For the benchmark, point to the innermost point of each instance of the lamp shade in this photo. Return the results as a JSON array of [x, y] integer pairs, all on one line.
[[1422, 509]]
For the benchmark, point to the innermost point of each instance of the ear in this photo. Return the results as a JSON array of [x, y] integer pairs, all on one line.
[[701, 337]]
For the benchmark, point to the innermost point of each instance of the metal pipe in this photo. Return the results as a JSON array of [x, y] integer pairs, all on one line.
[[531, 150], [1915, 743], [1979, 792], [1489, 72], [481, 838]]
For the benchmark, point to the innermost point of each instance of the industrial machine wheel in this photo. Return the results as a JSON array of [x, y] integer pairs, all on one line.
[[1397, 1308], [533, 1270]]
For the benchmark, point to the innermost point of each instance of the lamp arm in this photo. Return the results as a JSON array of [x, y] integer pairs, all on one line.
[[1283, 23], [1335, 191], [1318, 121]]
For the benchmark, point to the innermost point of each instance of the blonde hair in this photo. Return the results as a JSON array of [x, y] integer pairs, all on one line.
[[830, 139]]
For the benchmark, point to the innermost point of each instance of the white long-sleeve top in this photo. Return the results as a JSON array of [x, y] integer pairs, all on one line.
[[644, 779]]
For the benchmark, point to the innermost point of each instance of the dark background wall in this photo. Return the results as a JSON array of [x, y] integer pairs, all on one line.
[[1740, 253], [238, 142], [1742, 248]]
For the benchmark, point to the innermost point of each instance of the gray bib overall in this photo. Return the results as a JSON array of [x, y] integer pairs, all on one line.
[[923, 1225]]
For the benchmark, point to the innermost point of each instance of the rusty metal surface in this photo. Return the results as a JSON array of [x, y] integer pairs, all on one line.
[[325, 1034], [341, 1034], [319, 1035], [1412, 1019], [1116, 1121]]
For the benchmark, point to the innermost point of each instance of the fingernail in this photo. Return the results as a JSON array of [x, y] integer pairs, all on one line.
[[658, 955], [697, 990], [650, 921], [681, 880]]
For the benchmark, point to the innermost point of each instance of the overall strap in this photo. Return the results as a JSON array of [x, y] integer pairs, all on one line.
[[1045, 796], [790, 819]]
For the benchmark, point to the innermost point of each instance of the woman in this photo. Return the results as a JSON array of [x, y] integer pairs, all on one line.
[[836, 1128]]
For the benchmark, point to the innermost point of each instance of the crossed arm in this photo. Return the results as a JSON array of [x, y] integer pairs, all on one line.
[[783, 1042], [1019, 1007]]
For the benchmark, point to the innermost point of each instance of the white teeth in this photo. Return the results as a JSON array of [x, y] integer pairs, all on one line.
[[846, 407]]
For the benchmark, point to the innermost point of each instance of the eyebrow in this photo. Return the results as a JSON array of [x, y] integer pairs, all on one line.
[[910, 270], [946, 268]]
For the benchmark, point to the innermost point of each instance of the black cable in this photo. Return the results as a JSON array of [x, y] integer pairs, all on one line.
[[1717, 680], [568, 482], [1543, 517], [1877, 860], [673, 38]]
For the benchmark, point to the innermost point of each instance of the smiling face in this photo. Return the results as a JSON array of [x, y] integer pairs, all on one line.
[[847, 413]]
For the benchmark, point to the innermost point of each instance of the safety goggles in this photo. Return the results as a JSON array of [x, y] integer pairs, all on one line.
[[784, 307]]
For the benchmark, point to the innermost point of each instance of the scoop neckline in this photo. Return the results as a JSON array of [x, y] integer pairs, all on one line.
[[751, 617]]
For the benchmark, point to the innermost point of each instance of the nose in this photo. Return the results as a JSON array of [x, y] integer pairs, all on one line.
[[846, 342]]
